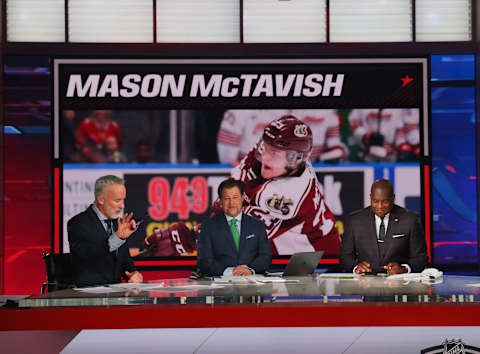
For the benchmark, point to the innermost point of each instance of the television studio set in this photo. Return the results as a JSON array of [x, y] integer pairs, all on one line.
[[240, 176]]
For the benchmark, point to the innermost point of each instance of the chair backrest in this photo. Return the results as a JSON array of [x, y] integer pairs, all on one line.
[[59, 271]]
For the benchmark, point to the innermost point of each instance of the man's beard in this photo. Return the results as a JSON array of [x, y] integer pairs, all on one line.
[[112, 214]]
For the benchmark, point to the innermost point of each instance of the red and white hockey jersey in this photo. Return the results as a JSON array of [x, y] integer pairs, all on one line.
[[325, 125], [411, 119], [241, 129], [292, 208], [390, 125]]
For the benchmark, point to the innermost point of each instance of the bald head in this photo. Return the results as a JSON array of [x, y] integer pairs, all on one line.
[[384, 185], [382, 197]]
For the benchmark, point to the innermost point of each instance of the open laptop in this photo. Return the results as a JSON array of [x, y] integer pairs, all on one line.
[[300, 264]]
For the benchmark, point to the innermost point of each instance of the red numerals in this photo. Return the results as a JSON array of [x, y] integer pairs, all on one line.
[[200, 195], [179, 202], [184, 198], [158, 194]]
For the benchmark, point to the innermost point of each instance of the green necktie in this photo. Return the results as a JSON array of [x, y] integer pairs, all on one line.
[[236, 235]]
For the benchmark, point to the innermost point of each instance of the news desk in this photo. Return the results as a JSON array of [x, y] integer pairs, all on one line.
[[318, 300]]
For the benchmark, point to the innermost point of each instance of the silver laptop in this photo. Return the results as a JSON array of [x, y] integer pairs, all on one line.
[[300, 264]]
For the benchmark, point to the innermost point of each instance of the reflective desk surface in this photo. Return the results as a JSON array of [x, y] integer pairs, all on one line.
[[325, 288]]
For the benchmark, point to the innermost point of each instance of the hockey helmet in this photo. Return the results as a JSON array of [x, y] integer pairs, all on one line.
[[290, 134]]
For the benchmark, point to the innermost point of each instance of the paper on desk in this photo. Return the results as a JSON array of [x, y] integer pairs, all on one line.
[[474, 285], [138, 286], [232, 279], [339, 275], [177, 288], [411, 276], [97, 290], [277, 280]]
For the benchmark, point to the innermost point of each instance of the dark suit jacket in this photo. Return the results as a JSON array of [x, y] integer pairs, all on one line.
[[217, 250], [92, 262], [404, 240]]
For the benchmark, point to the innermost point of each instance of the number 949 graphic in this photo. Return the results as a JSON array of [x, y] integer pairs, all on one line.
[[185, 197]]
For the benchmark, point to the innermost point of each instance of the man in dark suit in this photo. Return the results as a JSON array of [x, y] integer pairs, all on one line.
[[383, 236], [98, 236], [233, 243]]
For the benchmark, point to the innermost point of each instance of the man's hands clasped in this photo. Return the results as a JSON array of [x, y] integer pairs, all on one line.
[[241, 270], [391, 267]]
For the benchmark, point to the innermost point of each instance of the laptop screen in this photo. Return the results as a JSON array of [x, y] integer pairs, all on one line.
[[302, 263]]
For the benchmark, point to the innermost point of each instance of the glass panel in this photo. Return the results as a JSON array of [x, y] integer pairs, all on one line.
[[114, 21], [454, 175], [35, 21], [191, 21], [443, 20], [323, 288], [370, 21], [284, 21]]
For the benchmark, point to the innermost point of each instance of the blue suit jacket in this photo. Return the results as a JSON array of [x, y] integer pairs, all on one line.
[[217, 250]]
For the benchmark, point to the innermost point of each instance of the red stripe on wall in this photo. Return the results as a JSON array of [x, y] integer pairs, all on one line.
[[194, 262], [426, 180], [322, 261], [444, 243], [56, 210], [164, 263]]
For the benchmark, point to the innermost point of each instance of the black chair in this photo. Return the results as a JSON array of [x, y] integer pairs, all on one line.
[[59, 272]]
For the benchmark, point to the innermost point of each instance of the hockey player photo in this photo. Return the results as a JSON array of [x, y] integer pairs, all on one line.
[[242, 128], [281, 189]]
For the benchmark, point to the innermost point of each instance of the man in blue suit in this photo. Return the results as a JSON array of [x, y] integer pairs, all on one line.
[[233, 243]]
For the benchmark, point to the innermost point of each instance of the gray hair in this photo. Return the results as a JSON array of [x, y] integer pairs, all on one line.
[[105, 181]]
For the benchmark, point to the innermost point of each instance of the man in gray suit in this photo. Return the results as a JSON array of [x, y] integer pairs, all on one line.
[[233, 243], [383, 236]]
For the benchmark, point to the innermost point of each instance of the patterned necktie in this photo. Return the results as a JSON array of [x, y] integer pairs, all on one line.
[[109, 227], [381, 232], [236, 235]]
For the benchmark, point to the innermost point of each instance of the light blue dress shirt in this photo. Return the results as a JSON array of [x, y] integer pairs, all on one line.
[[114, 242]]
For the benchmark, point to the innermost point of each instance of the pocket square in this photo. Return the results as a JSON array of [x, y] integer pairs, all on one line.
[[250, 236], [398, 235]]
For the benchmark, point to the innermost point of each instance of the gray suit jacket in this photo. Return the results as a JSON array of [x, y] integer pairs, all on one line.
[[404, 240], [217, 250]]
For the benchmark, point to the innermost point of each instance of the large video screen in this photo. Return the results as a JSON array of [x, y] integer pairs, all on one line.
[[174, 129]]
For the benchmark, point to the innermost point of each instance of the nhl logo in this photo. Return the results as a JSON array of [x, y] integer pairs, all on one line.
[[451, 347], [300, 130]]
